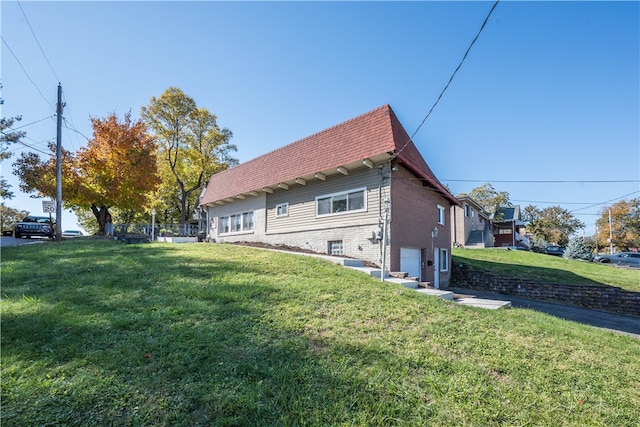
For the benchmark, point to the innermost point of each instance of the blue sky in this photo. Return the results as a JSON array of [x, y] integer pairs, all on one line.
[[549, 92]]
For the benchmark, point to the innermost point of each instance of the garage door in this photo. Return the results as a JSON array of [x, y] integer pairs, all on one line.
[[411, 262]]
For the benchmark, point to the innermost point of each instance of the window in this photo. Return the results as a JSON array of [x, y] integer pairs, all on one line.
[[224, 225], [247, 221], [444, 260], [466, 210], [441, 214], [335, 247], [282, 209], [236, 223], [504, 231], [349, 201]]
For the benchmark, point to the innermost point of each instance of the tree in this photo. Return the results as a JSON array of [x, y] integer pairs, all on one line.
[[625, 224], [8, 137], [10, 217], [489, 198], [577, 250], [191, 148], [117, 169], [553, 224]]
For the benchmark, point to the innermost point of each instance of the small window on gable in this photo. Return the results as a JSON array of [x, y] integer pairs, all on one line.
[[282, 209], [441, 215]]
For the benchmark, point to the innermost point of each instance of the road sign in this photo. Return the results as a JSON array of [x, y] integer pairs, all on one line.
[[48, 206]]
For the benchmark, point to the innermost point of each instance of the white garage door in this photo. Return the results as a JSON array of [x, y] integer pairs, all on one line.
[[411, 262]]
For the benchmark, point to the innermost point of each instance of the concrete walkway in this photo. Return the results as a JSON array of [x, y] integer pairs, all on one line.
[[356, 264]]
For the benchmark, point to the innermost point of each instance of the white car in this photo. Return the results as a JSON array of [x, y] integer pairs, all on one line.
[[72, 233]]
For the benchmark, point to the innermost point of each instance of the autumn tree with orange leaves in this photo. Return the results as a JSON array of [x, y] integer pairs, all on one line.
[[117, 169], [625, 225]]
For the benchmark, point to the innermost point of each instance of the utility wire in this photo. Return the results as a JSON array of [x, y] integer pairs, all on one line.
[[450, 79], [27, 74], [32, 123], [73, 129], [37, 41], [608, 201], [584, 181]]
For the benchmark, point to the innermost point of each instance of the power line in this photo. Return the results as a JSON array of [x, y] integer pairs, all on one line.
[[74, 129], [464, 57], [37, 41], [608, 201], [32, 123], [34, 148], [27, 74], [584, 181]]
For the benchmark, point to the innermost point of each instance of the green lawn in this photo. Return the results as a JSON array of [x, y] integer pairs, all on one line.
[[103, 333], [547, 268]]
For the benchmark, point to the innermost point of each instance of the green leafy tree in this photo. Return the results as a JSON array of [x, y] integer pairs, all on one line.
[[10, 217], [625, 225], [576, 249], [191, 148], [553, 224], [8, 137], [489, 198]]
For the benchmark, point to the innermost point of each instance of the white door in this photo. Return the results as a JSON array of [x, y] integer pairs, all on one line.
[[411, 262], [436, 268]]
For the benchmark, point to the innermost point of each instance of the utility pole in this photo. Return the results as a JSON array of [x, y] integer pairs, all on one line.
[[610, 234], [59, 107]]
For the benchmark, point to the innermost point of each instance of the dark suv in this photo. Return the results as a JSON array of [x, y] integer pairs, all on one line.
[[35, 226]]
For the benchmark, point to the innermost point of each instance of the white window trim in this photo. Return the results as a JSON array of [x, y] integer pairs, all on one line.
[[284, 214], [235, 233], [444, 258], [441, 213], [340, 193]]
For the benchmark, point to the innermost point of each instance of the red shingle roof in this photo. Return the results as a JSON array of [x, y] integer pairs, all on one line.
[[374, 133]]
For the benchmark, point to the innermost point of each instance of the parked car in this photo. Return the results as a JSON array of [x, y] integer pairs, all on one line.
[[72, 233], [621, 258], [554, 250], [31, 226]]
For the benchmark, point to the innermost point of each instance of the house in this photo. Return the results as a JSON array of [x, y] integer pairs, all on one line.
[[359, 189], [508, 228], [471, 226]]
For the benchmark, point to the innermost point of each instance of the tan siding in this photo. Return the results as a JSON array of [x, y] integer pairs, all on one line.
[[302, 203]]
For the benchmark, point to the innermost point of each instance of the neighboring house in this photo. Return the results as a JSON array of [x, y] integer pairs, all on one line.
[[508, 228], [470, 226], [334, 191]]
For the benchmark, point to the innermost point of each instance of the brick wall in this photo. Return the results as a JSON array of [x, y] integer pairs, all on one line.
[[605, 298]]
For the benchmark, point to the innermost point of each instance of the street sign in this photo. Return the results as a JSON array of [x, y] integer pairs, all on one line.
[[48, 206]]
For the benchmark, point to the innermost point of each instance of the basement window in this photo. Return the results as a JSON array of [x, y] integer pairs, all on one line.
[[335, 247]]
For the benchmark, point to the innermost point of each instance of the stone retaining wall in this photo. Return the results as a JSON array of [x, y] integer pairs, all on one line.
[[606, 298]]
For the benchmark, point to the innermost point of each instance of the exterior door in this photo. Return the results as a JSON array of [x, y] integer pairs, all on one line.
[[436, 268], [411, 262]]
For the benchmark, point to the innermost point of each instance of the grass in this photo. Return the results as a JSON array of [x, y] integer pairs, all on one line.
[[547, 268], [97, 332]]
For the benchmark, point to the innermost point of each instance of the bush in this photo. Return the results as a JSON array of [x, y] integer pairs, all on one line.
[[577, 250]]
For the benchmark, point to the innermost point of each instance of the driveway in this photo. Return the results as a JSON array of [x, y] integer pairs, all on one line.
[[628, 325], [12, 241]]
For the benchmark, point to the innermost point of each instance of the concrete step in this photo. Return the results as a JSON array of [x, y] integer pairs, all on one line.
[[448, 295], [484, 303]]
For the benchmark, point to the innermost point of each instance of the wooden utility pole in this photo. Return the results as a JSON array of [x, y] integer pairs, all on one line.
[[59, 107]]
